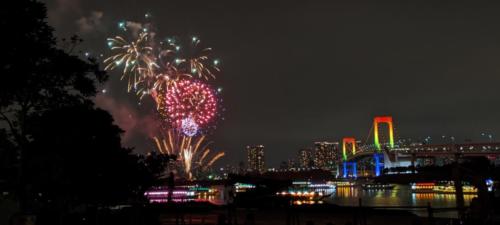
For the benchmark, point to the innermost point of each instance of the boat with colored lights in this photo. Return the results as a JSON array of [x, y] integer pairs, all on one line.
[[377, 186]]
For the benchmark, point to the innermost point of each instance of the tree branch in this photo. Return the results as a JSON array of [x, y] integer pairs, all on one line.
[[13, 129]]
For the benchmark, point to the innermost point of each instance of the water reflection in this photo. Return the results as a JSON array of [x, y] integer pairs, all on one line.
[[400, 195], [439, 198], [347, 192]]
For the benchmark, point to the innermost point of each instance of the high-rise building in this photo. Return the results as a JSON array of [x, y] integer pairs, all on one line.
[[326, 154], [256, 158], [305, 158]]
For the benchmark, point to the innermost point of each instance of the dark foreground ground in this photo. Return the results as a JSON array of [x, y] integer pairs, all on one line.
[[257, 212], [306, 215]]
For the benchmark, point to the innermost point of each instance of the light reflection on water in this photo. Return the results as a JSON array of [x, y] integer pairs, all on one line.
[[401, 195]]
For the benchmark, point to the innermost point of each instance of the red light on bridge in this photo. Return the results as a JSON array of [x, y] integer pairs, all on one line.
[[348, 141]]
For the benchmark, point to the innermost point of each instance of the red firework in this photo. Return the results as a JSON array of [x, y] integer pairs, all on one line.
[[189, 99]]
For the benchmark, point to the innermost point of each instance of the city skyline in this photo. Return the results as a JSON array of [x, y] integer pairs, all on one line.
[[312, 150], [328, 156]]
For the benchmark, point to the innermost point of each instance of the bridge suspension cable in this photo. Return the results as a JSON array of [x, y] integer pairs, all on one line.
[[369, 135]]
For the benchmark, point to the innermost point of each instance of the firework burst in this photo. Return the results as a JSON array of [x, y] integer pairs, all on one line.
[[135, 56], [195, 60], [193, 152], [188, 106], [153, 66], [173, 75]]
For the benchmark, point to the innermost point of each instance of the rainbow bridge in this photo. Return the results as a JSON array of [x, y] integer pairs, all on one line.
[[383, 152]]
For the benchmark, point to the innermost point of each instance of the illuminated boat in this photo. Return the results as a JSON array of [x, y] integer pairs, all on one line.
[[180, 194], [441, 188], [343, 183], [426, 187], [306, 192], [377, 186], [243, 187], [160, 195], [449, 188]]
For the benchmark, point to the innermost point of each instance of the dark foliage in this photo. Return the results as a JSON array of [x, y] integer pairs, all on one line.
[[76, 156], [36, 75], [58, 152]]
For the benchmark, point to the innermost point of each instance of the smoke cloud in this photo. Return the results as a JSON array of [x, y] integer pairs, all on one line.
[[91, 23], [129, 119]]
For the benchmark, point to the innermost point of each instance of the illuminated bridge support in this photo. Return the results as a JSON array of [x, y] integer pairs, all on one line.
[[344, 169], [345, 145], [377, 163], [353, 171], [388, 121]]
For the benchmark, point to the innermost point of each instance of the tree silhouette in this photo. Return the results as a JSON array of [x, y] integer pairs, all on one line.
[[36, 74], [7, 159], [157, 163], [75, 159], [64, 152], [76, 154]]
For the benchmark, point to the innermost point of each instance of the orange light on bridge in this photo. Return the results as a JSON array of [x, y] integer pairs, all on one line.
[[345, 142], [388, 121]]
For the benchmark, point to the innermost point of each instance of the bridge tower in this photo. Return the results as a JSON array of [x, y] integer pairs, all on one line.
[[378, 153], [388, 121], [346, 143]]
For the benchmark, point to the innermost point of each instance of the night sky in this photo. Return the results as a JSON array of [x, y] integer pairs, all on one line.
[[295, 73]]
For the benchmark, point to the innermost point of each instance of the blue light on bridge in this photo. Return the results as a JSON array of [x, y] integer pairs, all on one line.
[[345, 170], [376, 158], [354, 170]]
